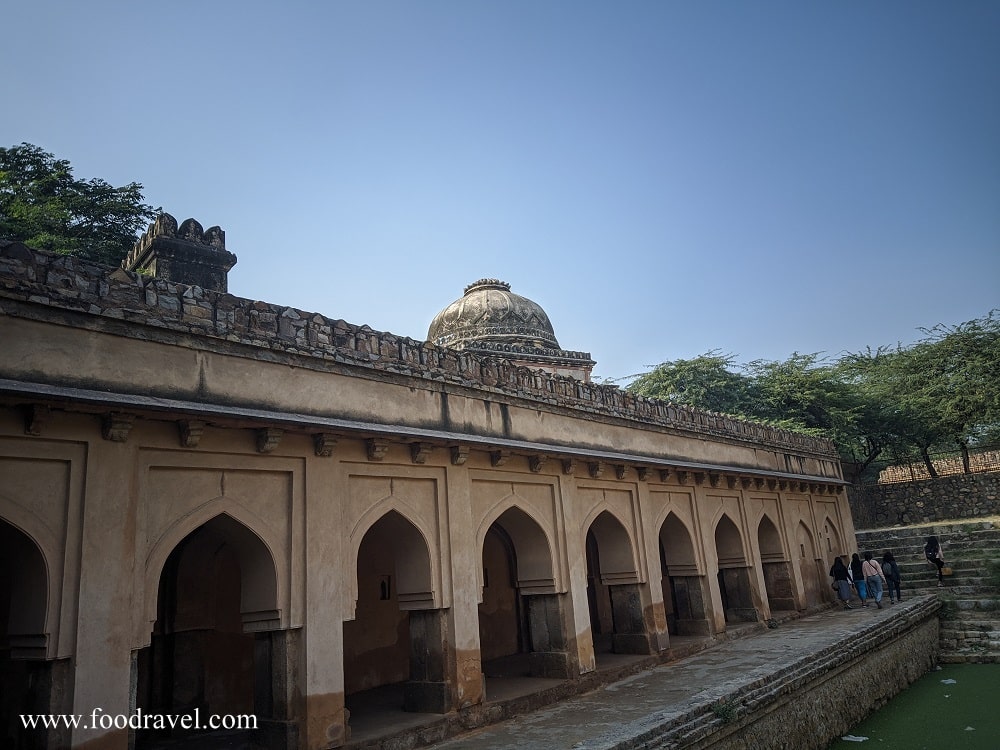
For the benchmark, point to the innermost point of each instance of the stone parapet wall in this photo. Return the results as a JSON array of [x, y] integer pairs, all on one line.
[[32, 282], [927, 501]]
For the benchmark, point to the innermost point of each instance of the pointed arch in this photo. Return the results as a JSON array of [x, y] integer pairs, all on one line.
[[769, 541], [264, 590], [729, 543], [616, 551], [25, 583], [678, 547], [414, 580], [533, 548]]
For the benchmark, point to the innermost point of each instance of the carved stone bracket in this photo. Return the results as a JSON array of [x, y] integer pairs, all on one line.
[[699, 477], [537, 463], [747, 482], [419, 452], [37, 416], [621, 470], [772, 484], [324, 443], [714, 478], [459, 455], [664, 475], [732, 482], [683, 476], [758, 483], [782, 484], [377, 448], [642, 472], [116, 426], [568, 465], [595, 469], [190, 431], [268, 438], [499, 457]]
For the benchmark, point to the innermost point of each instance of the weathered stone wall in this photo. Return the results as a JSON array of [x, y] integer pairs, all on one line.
[[816, 700], [928, 501], [71, 284]]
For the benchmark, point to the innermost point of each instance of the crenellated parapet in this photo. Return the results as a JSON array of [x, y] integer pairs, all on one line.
[[185, 254], [37, 278]]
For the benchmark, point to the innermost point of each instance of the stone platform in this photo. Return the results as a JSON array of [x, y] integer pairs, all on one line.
[[798, 685]]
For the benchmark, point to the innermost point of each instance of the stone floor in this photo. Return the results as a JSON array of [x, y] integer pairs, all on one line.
[[623, 709]]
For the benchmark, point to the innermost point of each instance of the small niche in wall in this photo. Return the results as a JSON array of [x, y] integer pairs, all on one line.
[[384, 588]]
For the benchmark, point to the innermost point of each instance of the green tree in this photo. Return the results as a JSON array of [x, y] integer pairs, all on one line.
[[44, 206], [706, 382]]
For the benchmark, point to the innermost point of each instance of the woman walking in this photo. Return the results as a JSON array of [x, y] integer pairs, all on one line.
[[934, 555], [858, 576], [842, 581], [891, 572], [874, 578]]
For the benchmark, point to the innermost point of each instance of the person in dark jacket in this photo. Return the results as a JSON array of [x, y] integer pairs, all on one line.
[[842, 580], [859, 579], [892, 577], [934, 555]]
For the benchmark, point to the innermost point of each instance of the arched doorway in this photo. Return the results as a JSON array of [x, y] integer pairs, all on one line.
[[810, 567], [734, 574], [215, 642], [395, 648], [777, 574], [521, 623], [25, 675], [684, 592], [617, 621]]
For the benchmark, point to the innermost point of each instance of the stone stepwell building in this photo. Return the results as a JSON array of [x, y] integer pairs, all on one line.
[[214, 503]]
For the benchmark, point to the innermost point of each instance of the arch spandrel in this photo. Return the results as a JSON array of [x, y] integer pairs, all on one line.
[[266, 618]]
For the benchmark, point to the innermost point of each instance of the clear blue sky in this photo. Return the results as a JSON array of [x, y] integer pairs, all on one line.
[[664, 178]]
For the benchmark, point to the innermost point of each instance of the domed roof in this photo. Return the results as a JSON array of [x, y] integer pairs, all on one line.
[[489, 312]]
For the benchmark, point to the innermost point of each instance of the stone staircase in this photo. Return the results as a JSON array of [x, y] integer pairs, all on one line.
[[970, 612]]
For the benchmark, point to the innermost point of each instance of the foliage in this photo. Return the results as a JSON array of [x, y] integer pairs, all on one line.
[[901, 402], [44, 206]]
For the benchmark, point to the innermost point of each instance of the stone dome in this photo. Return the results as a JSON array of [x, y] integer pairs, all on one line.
[[490, 314]]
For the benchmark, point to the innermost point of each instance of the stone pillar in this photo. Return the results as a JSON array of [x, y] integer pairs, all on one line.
[[549, 655], [430, 687], [631, 635], [466, 561], [692, 612], [276, 678], [103, 674]]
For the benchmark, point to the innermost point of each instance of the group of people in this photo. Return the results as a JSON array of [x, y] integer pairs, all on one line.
[[871, 579]]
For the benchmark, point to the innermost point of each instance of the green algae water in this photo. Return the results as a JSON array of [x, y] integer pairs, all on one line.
[[954, 708]]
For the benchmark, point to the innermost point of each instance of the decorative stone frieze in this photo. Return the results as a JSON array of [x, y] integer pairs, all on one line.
[[268, 438], [116, 425], [323, 444]]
